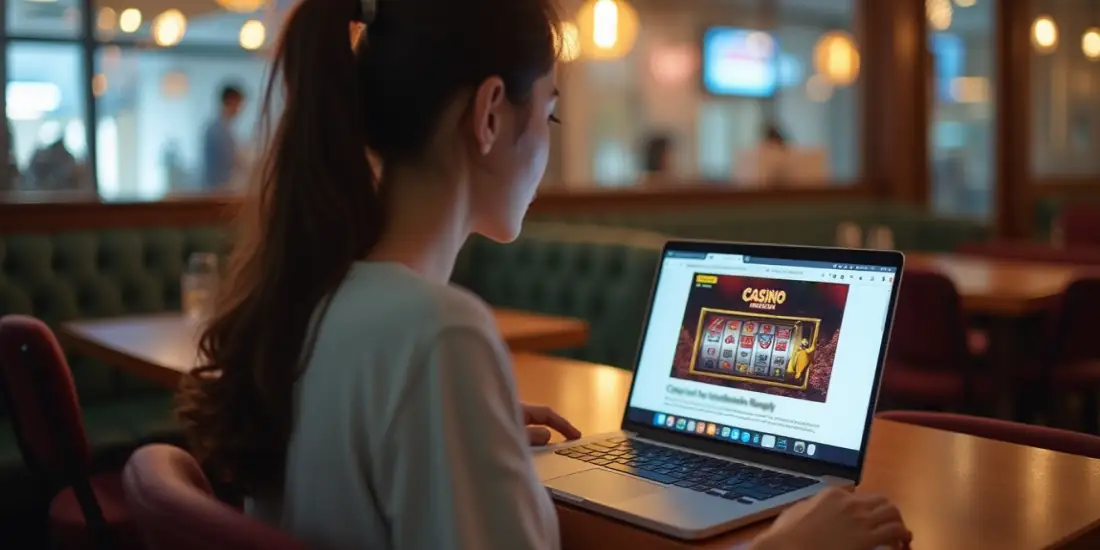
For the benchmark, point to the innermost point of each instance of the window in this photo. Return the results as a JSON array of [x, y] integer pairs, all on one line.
[[56, 19], [44, 103], [161, 116], [707, 84], [1065, 76], [961, 140]]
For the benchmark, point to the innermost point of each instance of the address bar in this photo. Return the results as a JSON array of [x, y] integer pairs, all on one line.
[[724, 267]]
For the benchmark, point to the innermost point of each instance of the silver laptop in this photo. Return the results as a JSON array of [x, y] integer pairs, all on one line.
[[754, 387]]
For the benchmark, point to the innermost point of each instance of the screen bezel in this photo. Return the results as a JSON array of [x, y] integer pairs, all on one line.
[[759, 455], [702, 79]]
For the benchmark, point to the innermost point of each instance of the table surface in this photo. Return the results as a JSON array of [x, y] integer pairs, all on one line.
[[955, 491], [161, 347], [1000, 287]]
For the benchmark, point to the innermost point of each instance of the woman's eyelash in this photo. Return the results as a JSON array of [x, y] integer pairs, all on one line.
[[555, 119]]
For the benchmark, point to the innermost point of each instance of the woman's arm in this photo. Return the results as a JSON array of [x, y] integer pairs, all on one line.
[[458, 466]]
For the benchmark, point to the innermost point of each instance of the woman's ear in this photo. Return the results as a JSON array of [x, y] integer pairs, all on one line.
[[489, 100]]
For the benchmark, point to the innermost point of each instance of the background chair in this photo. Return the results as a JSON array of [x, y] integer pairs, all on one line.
[[1080, 225], [929, 361], [88, 510], [175, 508], [1075, 365], [1042, 437]]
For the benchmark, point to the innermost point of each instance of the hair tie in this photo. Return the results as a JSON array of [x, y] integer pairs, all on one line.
[[367, 11]]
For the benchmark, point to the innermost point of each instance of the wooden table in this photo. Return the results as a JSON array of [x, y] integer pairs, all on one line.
[[1000, 287], [161, 347], [956, 492]]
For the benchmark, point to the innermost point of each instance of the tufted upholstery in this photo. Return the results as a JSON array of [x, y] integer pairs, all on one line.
[[793, 223], [602, 275]]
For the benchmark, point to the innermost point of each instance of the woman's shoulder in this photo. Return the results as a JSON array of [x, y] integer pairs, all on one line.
[[394, 297]]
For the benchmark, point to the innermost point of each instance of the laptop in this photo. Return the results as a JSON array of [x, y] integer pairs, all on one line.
[[755, 385]]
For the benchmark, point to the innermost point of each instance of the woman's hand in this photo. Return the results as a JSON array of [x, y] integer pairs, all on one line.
[[540, 420], [837, 520]]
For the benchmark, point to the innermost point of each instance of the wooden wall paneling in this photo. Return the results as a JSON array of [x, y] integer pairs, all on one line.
[[1013, 193], [895, 98]]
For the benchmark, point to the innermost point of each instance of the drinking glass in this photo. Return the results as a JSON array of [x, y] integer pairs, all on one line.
[[199, 286]]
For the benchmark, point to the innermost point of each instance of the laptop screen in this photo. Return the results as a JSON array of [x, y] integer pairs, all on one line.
[[776, 354]]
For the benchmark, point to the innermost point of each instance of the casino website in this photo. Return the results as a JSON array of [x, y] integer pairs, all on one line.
[[778, 354]]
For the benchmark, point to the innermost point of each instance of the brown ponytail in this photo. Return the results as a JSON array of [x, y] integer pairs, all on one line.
[[316, 207]]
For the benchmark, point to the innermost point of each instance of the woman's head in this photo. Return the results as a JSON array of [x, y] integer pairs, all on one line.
[[773, 135], [460, 90]]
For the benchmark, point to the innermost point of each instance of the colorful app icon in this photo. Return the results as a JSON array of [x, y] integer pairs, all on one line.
[[781, 444], [756, 439], [691, 425], [768, 441], [681, 424], [725, 431], [735, 434], [799, 447], [745, 437], [700, 427], [659, 419], [670, 422], [712, 429], [811, 449]]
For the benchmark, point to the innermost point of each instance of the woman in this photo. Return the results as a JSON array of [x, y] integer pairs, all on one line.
[[358, 400]]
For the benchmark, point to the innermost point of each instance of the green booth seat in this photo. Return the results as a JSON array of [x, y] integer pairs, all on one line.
[[791, 223], [599, 274]]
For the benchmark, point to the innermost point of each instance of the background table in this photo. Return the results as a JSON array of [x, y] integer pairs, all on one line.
[[956, 492], [999, 287], [161, 347]]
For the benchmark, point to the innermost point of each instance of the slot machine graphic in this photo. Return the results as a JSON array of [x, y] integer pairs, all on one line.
[[752, 347]]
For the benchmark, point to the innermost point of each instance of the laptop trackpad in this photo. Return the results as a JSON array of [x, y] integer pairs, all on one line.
[[603, 486]]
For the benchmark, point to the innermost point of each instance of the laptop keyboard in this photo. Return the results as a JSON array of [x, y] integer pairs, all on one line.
[[728, 480]]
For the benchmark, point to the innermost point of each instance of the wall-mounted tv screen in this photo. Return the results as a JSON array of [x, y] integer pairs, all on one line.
[[739, 62]]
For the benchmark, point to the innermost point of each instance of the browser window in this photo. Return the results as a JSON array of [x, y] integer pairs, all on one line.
[[779, 354]]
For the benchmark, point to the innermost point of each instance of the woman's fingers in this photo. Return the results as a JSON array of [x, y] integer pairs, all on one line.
[[886, 526], [538, 435], [893, 534], [548, 417]]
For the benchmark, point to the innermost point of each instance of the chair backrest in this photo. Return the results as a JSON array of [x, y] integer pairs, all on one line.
[[41, 396], [1074, 322], [1052, 439], [928, 326], [174, 507], [1080, 225]]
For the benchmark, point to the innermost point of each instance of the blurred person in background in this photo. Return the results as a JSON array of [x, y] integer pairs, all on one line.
[[219, 146], [657, 155], [9, 169]]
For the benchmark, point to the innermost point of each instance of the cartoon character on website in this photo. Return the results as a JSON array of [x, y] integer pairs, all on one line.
[[802, 358]]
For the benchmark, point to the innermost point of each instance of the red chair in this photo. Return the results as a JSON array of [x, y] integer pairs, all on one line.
[[1081, 225], [1051, 439], [1075, 365], [929, 361], [89, 510], [175, 508]]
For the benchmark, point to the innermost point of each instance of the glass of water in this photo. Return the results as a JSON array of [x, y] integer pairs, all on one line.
[[199, 286]]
